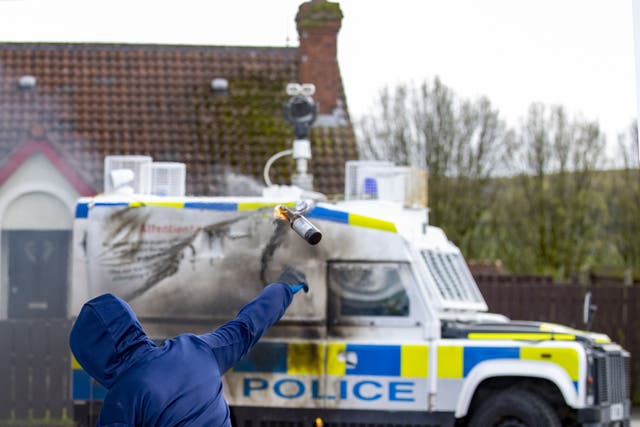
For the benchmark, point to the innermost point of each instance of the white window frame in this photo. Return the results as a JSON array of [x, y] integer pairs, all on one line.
[[413, 319]]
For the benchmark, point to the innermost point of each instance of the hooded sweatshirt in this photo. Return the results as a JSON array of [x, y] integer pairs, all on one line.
[[176, 384]]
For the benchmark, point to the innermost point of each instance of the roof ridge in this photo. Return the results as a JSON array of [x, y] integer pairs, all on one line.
[[137, 46]]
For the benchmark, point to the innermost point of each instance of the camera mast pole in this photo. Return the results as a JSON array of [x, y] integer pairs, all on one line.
[[301, 111]]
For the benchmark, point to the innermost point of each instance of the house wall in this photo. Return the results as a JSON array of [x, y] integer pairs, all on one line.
[[35, 197]]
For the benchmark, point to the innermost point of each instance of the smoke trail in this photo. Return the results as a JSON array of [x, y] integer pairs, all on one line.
[[276, 240]]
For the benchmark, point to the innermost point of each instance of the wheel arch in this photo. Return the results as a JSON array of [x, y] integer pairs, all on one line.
[[499, 374]]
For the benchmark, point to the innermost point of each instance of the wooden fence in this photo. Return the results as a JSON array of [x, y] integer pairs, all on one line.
[[35, 370], [540, 299], [35, 373]]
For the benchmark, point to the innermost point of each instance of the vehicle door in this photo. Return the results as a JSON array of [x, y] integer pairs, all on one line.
[[377, 357]]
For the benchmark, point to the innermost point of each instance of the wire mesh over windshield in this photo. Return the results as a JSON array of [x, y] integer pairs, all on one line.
[[452, 276]]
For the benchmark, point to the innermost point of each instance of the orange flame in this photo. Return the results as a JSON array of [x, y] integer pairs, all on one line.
[[281, 212]]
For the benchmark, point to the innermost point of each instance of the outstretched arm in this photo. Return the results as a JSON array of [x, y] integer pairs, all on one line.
[[236, 337]]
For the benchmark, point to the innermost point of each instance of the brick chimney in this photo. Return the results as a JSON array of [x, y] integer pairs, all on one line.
[[318, 23]]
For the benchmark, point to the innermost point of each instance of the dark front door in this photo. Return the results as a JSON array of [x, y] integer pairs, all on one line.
[[38, 272]]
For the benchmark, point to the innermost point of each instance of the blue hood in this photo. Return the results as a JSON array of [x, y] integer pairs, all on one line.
[[107, 338]]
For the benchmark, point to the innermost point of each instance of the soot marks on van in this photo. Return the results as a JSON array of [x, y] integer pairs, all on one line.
[[278, 236], [123, 232]]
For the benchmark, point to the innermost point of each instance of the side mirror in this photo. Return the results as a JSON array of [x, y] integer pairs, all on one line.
[[588, 311]]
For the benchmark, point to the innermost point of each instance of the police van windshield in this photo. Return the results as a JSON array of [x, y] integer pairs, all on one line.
[[369, 289]]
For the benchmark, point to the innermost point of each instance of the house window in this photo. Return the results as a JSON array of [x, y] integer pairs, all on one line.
[[370, 289]]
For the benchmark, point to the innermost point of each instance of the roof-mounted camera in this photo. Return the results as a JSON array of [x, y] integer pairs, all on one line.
[[300, 110]]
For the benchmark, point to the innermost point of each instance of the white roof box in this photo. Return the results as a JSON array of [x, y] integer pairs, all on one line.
[[166, 178], [382, 180], [116, 179]]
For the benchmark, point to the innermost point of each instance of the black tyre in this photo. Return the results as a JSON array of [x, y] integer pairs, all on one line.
[[514, 408]]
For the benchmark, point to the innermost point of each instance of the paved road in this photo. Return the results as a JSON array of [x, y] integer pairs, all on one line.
[[635, 416]]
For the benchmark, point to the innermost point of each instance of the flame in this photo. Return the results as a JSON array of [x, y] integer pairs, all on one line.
[[281, 212]]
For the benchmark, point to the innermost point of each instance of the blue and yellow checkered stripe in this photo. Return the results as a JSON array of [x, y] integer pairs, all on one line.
[[333, 215], [304, 358], [405, 361], [82, 208], [455, 362]]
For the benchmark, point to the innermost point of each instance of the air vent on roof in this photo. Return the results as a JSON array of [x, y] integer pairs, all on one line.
[[166, 178], [113, 167], [27, 82]]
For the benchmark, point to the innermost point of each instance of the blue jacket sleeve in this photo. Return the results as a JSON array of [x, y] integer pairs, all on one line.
[[113, 415], [235, 338]]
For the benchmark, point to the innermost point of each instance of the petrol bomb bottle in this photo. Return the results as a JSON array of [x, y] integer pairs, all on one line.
[[301, 225]]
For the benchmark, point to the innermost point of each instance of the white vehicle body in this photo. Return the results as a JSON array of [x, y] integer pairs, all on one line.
[[394, 322]]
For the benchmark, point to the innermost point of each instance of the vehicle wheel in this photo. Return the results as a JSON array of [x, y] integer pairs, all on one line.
[[514, 408]]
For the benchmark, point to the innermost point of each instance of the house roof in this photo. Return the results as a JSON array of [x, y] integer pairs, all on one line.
[[94, 100]]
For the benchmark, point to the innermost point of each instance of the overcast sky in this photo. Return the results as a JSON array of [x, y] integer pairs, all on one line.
[[578, 53]]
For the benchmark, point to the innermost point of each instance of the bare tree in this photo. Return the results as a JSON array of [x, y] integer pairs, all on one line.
[[461, 142], [385, 134], [529, 198], [557, 208], [624, 202]]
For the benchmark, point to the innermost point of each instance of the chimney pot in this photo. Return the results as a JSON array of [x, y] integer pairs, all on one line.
[[318, 23]]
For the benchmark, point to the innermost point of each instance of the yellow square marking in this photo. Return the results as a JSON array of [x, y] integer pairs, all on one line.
[[305, 358], [414, 361], [450, 362], [566, 358], [334, 365]]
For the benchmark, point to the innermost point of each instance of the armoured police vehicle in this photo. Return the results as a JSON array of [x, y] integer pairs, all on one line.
[[393, 331]]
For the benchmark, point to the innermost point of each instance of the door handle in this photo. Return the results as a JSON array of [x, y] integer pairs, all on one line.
[[350, 358]]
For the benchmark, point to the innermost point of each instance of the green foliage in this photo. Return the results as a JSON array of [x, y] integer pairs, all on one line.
[[623, 204], [249, 111], [535, 197], [459, 141], [556, 160]]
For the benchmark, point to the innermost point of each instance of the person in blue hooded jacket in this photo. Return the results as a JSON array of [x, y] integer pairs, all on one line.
[[180, 382]]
